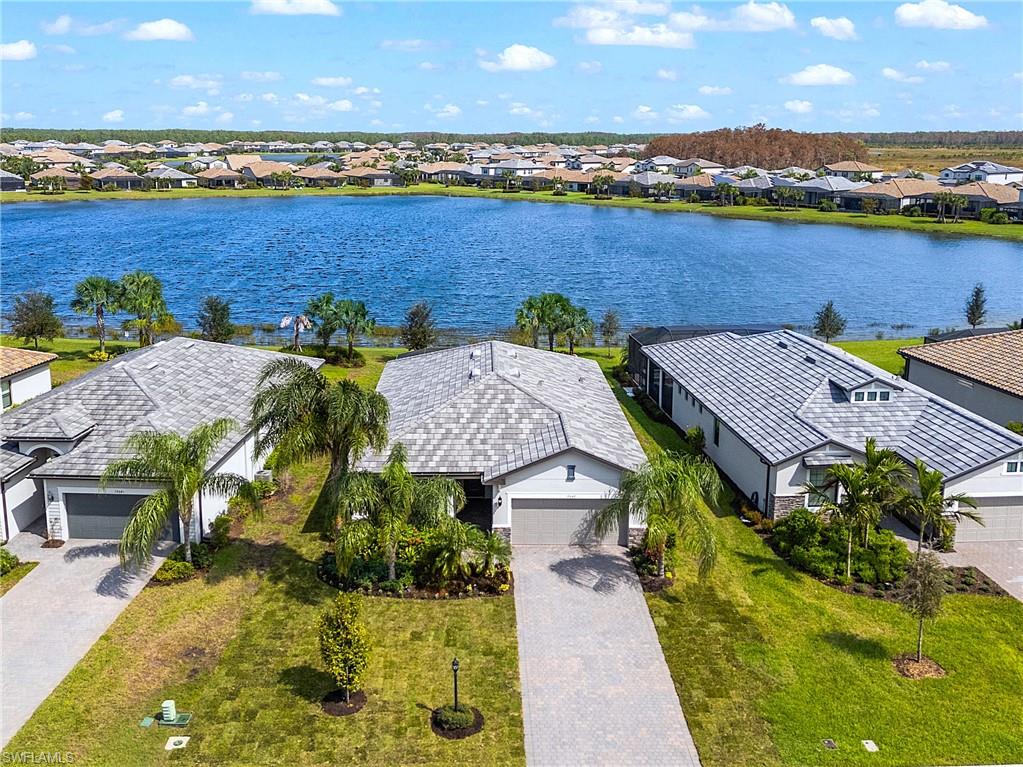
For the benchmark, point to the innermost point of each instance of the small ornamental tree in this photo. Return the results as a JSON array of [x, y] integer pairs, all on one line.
[[610, 326], [33, 317], [344, 645], [976, 306], [215, 319], [828, 323], [419, 330], [922, 593]]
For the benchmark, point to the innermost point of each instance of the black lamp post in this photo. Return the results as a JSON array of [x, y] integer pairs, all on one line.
[[454, 672]]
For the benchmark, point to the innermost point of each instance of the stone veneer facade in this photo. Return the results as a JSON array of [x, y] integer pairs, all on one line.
[[782, 505]]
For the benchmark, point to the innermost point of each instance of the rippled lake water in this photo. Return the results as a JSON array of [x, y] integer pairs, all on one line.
[[476, 259]]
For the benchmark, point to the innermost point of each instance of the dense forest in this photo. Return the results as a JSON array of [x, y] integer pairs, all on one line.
[[944, 139], [760, 146]]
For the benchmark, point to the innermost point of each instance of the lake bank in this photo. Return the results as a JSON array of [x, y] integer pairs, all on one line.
[[1013, 232]]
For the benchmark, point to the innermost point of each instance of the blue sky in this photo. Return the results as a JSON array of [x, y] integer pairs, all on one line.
[[629, 65]]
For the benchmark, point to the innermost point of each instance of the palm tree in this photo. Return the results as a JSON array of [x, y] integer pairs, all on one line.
[[726, 193], [378, 508], [668, 494], [578, 326], [323, 313], [528, 318], [298, 323], [887, 471], [299, 415], [947, 200], [602, 183], [508, 177], [180, 466], [554, 311], [856, 507], [931, 508], [97, 295], [559, 185], [353, 318], [142, 295]]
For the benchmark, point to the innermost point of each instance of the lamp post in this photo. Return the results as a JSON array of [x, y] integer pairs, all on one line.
[[454, 672]]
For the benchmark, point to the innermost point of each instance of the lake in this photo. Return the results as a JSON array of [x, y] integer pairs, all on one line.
[[476, 259]]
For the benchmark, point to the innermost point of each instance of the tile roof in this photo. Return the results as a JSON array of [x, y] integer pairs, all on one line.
[[174, 385], [852, 165], [494, 407], [18, 360], [12, 461], [993, 359], [785, 394]]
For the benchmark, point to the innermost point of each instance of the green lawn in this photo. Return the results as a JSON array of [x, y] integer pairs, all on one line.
[[239, 650], [768, 662], [765, 213], [884, 353], [10, 579]]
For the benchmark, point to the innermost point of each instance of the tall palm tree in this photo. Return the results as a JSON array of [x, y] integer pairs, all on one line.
[[97, 295], [668, 493], [930, 507], [857, 505], [887, 471], [554, 311], [179, 465], [142, 295], [378, 508], [299, 415], [353, 318], [528, 318], [298, 324], [578, 326]]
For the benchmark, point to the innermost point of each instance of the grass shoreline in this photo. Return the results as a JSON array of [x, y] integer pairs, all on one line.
[[745, 212]]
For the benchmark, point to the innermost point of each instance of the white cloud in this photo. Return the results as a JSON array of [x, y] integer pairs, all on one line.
[[589, 67], [1017, 76], [644, 113], [618, 119], [332, 82], [65, 50], [857, 111], [161, 29], [799, 106], [591, 120], [714, 90], [937, 14], [428, 66], [23, 116], [341, 105], [519, 109], [114, 116], [406, 46], [820, 74], [445, 112], [519, 58], [589, 17], [59, 26], [244, 97], [269, 98], [261, 77], [687, 112], [19, 51], [667, 74], [209, 83], [933, 66], [482, 103], [900, 77], [749, 17], [362, 90], [655, 36], [196, 110], [295, 7], [225, 117], [103, 28], [837, 29]]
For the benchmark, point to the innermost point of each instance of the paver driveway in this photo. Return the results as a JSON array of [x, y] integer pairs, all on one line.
[[595, 687], [51, 618], [1002, 561]]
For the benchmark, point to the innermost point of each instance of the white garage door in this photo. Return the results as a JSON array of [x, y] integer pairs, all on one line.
[[1003, 521], [559, 522]]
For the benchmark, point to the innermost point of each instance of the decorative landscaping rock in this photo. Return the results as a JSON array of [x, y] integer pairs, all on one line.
[[334, 703]]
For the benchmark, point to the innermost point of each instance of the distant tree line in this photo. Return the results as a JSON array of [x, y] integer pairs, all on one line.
[[949, 139], [761, 146]]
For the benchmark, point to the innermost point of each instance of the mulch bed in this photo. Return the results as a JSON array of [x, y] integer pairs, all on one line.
[[654, 583], [480, 587], [334, 704], [52, 543], [463, 732], [908, 666]]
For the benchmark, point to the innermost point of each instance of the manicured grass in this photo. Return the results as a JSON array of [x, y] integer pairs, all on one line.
[[239, 650], [9, 580], [884, 353], [768, 662], [765, 213]]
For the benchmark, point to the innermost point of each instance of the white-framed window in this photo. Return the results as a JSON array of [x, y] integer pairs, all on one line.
[[859, 396], [818, 476], [1014, 467], [570, 477]]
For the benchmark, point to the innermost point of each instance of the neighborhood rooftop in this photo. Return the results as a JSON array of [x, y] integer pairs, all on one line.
[[14, 361], [993, 359], [785, 394], [494, 407]]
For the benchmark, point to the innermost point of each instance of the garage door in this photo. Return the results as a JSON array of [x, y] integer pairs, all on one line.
[[1003, 521], [560, 521], [94, 515]]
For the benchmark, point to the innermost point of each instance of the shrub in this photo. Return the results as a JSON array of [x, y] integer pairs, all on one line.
[[694, 197], [815, 560], [827, 206], [344, 645], [914, 212], [800, 528], [695, 439], [174, 570], [451, 718], [202, 556], [986, 214], [220, 532], [1001, 217], [98, 356], [8, 561]]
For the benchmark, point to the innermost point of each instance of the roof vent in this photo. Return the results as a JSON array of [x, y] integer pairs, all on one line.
[[474, 373], [783, 345], [515, 372], [152, 365], [810, 359], [472, 354], [513, 353]]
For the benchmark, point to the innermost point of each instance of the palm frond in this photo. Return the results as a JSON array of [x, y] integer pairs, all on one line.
[[147, 521]]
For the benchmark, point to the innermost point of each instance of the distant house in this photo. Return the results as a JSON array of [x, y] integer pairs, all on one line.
[[586, 162], [122, 179], [267, 173], [702, 185], [24, 374], [314, 176], [644, 182], [239, 161], [982, 373], [446, 172], [820, 188], [894, 195], [171, 178], [407, 146], [662, 163], [11, 182], [221, 177], [982, 170], [55, 177], [517, 167], [367, 176], [695, 166], [851, 169], [982, 194], [205, 163]]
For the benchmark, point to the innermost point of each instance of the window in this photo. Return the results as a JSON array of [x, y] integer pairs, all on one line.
[[871, 396], [571, 474], [1014, 467], [717, 432], [5, 387], [884, 396], [818, 476], [859, 396]]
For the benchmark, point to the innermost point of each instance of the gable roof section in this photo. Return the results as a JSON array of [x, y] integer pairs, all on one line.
[[492, 408], [174, 386], [13, 361], [784, 394], [993, 359]]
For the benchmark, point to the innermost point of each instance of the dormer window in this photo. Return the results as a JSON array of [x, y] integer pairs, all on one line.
[[859, 396], [872, 395]]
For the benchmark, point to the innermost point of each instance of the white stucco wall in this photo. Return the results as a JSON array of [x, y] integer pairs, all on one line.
[[241, 461], [990, 481], [548, 479], [23, 499], [995, 405], [29, 384]]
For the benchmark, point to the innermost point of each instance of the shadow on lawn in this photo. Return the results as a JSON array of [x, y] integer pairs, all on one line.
[[772, 563], [276, 563], [868, 649], [306, 682]]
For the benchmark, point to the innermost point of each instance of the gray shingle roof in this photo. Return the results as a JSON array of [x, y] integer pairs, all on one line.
[[494, 407], [12, 461], [784, 394], [174, 385]]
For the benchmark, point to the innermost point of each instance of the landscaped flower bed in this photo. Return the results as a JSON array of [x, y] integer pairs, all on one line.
[[370, 577]]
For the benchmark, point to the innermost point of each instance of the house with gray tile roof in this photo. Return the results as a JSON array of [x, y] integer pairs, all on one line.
[[72, 433], [537, 438], [778, 408]]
